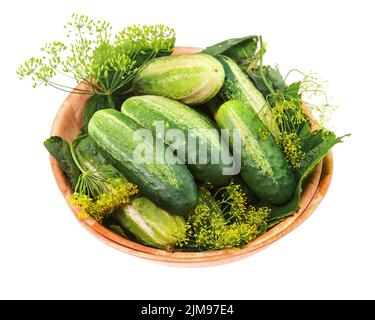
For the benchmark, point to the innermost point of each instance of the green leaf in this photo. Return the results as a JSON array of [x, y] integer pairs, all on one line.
[[60, 150], [242, 50], [316, 145], [96, 103], [292, 91], [273, 77]]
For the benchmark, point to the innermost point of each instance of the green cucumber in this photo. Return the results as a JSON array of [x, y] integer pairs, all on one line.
[[145, 110], [237, 86], [171, 186], [151, 225], [191, 79], [89, 157], [263, 166], [148, 223]]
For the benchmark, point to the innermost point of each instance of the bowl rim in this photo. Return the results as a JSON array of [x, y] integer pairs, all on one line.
[[313, 193]]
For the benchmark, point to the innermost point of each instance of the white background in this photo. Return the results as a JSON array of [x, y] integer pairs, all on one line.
[[45, 253]]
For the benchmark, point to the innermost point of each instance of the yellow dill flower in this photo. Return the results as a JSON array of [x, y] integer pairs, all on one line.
[[228, 223], [264, 134], [290, 144], [83, 202], [117, 195]]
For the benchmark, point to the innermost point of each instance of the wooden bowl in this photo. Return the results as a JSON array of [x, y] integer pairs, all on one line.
[[67, 124]]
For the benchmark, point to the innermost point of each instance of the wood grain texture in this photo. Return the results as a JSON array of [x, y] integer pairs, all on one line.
[[67, 124]]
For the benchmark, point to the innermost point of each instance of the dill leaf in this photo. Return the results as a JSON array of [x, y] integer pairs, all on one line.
[[92, 54]]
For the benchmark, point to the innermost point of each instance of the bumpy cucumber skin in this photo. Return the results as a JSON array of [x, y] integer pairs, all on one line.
[[191, 79], [88, 155], [263, 166], [151, 225], [148, 223], [175, 115], [170, 186], [237, 86]]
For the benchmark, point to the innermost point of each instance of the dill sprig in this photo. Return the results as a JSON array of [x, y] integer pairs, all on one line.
[[104, 61], [94, 181], [291, 146], [100, 189], [147, 39], [117, 194], [287, 110], [225, 220], [313, 92], [288, 114]]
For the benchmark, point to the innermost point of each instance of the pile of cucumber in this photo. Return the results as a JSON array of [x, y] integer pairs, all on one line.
[[200, 91], [165, 87]]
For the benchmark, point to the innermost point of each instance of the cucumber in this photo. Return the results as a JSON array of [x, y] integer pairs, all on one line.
[[263, 166], [171, 186], [89, 156], [148, 224], [191, 79], [237, 86], [145, 110], [151, 225]]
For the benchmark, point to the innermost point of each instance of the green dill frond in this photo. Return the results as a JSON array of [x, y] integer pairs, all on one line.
[[147, 38], [313, 92], [117, 194], [42, 69], [95, 182], [106, 62], [287, 112], [91, 183], [112, 67]]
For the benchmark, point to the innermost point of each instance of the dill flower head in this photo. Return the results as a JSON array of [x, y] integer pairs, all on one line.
[[225, 220], [118, 193], [93, 54], [148, 38], [290, 144], [288, 114]]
